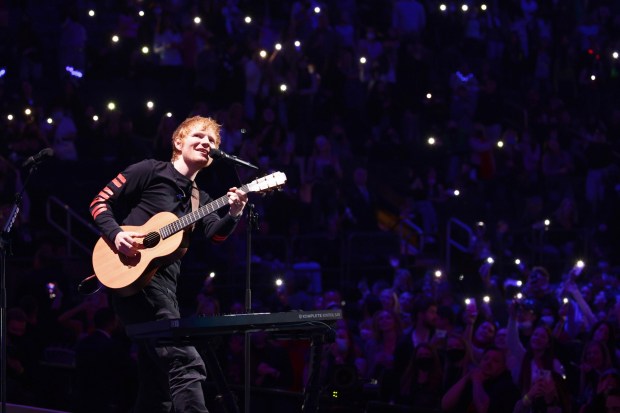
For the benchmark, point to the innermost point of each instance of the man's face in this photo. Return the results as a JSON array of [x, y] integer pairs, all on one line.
[[197, 144]]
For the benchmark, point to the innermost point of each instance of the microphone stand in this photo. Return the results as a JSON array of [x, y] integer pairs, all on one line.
[[4, 245], [252, 223]]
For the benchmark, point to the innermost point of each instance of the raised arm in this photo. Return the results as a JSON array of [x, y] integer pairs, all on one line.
[[584, 307], [480, 397], [513, 342], [450, 400]]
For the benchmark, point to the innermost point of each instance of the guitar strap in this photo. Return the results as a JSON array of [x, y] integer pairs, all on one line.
[[195, 200]]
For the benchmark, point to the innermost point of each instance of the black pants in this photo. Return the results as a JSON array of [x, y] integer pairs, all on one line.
[[170, 377]]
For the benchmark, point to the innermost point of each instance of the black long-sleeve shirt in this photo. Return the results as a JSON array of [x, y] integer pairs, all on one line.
[[145, 189]]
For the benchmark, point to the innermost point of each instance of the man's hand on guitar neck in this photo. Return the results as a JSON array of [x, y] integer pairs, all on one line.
[[237, 200], [126, 243]]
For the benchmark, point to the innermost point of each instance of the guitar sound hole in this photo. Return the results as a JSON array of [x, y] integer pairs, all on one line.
[[151, 239]]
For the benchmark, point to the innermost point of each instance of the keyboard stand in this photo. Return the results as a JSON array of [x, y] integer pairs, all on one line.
[[312, 390], [225, 396]]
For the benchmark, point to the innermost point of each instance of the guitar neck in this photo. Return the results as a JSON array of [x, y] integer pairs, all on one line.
[[187, 220]]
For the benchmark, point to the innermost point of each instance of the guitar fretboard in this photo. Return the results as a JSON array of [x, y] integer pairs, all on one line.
[[187, 220]]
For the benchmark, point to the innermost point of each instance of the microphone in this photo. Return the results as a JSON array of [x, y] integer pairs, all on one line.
[[217, 154], [39, 157]]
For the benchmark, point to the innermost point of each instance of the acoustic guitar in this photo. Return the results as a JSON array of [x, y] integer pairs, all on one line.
[[164, 233]]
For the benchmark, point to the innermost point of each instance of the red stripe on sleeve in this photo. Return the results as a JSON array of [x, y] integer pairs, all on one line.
[[101, 196], [95, 212], [218, 238], [95, 201]]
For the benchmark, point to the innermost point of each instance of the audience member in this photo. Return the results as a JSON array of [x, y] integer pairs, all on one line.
[[421, 383], [379, 349], [488, 388], [595, 360]]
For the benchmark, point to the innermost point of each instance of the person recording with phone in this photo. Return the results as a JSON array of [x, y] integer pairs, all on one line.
[[169, 376], [536, 357]]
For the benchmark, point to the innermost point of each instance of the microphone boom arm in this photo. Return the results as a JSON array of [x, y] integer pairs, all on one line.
[[218, 154]]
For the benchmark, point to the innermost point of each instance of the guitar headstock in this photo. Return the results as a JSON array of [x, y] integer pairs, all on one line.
[[266, 183]]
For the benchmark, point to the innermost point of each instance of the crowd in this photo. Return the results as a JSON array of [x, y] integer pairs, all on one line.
[[503, 114]]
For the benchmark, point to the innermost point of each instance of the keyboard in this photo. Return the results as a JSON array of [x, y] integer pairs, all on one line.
[[194, 327]]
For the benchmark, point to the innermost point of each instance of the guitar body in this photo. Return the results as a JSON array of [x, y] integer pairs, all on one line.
[[128, 275]]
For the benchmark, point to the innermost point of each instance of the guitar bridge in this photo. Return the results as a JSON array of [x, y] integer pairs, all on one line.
[[151, 239]]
